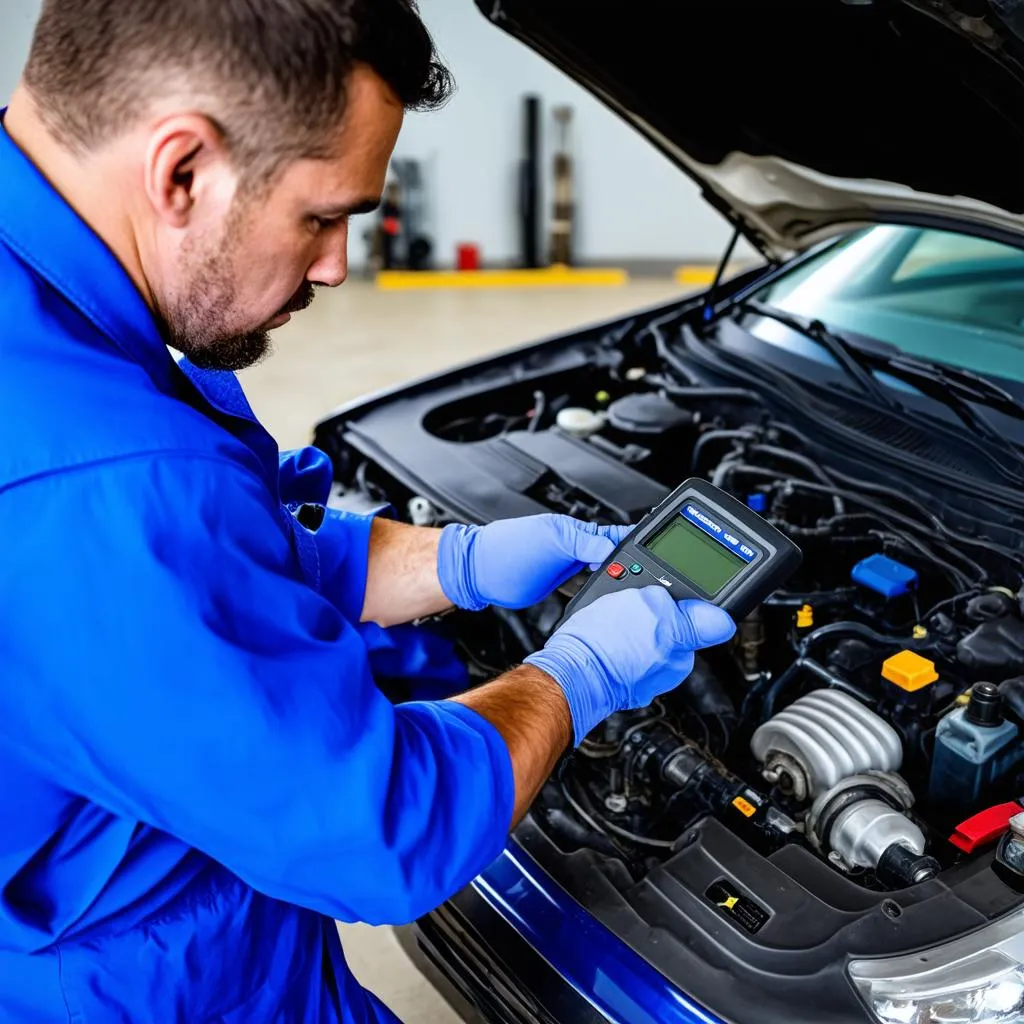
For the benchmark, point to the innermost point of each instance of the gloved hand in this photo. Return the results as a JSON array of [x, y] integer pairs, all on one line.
[[625, 649], [514, 563]]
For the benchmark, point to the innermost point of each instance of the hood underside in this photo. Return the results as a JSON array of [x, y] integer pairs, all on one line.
[[801, 119]]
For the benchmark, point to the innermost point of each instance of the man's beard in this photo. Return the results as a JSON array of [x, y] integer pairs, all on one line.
[[194, 322]]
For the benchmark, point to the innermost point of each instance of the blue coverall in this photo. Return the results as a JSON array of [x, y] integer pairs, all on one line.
[[197, 771]]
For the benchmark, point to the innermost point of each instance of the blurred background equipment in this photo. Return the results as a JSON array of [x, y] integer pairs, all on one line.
[[467, 256], [563, 210], [529, 184], [398, 240], [390, 227], [418, 246]]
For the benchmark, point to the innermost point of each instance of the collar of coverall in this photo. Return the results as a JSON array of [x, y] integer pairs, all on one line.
[[42, 230]]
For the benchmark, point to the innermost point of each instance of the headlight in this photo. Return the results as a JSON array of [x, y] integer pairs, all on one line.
[[978, 979]]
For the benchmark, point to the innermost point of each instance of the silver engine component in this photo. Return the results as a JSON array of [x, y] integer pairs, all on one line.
[[862, 821], [821, 739]]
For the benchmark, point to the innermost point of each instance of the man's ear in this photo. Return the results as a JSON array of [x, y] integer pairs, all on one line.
[[185, 158]]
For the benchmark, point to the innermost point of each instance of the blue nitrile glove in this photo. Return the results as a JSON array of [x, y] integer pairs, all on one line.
[[514, 563], [625, 649]]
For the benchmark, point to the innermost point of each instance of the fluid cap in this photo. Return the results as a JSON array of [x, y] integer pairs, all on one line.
[[578, 421], [985, 705], [884, 575], [757, 502], [909, 671]]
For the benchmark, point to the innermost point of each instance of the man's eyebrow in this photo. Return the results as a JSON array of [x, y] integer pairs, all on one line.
[[367, 205]]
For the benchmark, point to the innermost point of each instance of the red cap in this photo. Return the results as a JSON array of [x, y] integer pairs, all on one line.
[[984, 827]]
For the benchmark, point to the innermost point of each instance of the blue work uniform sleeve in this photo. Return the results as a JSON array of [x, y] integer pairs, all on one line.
[[403, 658], [172, 668], [342, 540]]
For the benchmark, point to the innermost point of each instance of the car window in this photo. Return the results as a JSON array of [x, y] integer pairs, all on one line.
[[941, 252], [938, 294]]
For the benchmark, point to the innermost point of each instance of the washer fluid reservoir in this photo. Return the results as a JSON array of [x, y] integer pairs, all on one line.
[[973, 747]]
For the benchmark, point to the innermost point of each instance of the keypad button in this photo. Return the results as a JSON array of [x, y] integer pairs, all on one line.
[[636, 568], [616, 571]]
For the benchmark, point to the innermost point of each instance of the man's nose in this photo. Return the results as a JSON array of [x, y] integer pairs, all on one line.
[[331, 266]]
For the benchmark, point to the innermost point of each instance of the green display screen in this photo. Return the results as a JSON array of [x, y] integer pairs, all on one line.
[[695, 556]]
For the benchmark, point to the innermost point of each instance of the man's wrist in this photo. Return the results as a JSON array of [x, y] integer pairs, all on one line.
[[538, 685], [455, 566], [530, 711], [582, 690]]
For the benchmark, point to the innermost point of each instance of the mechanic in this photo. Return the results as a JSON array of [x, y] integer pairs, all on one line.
[[197, 770]]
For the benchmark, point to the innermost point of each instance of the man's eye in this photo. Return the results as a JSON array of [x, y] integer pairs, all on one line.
[[324, 223]]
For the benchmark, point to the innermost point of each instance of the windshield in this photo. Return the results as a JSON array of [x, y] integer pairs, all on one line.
[[938, 295]]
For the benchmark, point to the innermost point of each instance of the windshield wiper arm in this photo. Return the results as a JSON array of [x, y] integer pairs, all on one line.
[[839, 348], [958, 393], [970, 386], [955, 388]]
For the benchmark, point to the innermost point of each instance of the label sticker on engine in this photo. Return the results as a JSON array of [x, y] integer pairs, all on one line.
[[722, 534], [739, 909]]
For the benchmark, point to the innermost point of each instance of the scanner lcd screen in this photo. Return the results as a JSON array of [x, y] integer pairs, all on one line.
[[695, 555]]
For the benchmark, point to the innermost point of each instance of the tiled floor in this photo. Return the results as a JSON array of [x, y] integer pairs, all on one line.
[[356, 340]]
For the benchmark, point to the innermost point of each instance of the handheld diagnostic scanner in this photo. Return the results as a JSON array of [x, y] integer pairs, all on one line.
[[699, 543]]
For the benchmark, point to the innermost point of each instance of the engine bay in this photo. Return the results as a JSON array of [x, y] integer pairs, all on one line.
[[860, 715], [863, 712]]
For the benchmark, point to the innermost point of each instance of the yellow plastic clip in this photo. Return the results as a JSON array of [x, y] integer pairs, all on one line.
[[805, 617]]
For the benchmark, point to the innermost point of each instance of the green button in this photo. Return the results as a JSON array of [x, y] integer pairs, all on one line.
[[636, 568]]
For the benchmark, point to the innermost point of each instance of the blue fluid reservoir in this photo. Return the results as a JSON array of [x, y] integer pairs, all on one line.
[[972, 749]]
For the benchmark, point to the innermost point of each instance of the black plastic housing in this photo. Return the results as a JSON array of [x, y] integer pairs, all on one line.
[[776, 558]]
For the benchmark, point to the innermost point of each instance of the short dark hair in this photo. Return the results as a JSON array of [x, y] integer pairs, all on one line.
[[270, 73]]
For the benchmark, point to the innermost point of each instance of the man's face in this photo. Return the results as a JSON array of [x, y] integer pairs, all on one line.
[[249, 257]]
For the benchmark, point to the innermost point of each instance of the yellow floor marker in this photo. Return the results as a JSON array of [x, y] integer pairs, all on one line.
[[547, 277], [694, 275]]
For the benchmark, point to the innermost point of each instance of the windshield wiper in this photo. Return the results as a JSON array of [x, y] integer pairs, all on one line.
[[849, 359], [954, 388], [970, 386]]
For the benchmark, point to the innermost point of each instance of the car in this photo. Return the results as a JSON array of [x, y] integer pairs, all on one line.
[[822, 823]]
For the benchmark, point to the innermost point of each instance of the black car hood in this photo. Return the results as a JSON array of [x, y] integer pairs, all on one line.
[[800, 119]]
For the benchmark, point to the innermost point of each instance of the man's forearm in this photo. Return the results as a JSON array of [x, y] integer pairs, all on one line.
[[525, 705], [530, 711], [401, 579]]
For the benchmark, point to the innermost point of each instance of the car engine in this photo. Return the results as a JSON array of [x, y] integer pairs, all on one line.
[[863, 712]]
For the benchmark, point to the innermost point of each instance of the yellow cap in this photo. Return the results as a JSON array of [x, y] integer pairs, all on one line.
[[602, 397], [920, 632], [909, 671], [804, 617]]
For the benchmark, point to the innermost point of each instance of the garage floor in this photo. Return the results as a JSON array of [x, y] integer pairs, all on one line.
[[355, 340]]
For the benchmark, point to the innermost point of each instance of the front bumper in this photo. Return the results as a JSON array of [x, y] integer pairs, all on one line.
[[522, 951]]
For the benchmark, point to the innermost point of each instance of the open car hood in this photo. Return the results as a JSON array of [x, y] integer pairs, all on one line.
[[801, 118]]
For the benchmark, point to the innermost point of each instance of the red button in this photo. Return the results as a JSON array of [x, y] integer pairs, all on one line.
[[984, 827], [616, 571]]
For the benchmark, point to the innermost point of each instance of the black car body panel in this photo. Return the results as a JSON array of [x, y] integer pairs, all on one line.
[[927, 95]]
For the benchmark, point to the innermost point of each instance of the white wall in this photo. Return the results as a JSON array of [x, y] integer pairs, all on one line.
[[632, 203], [18, 18]]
